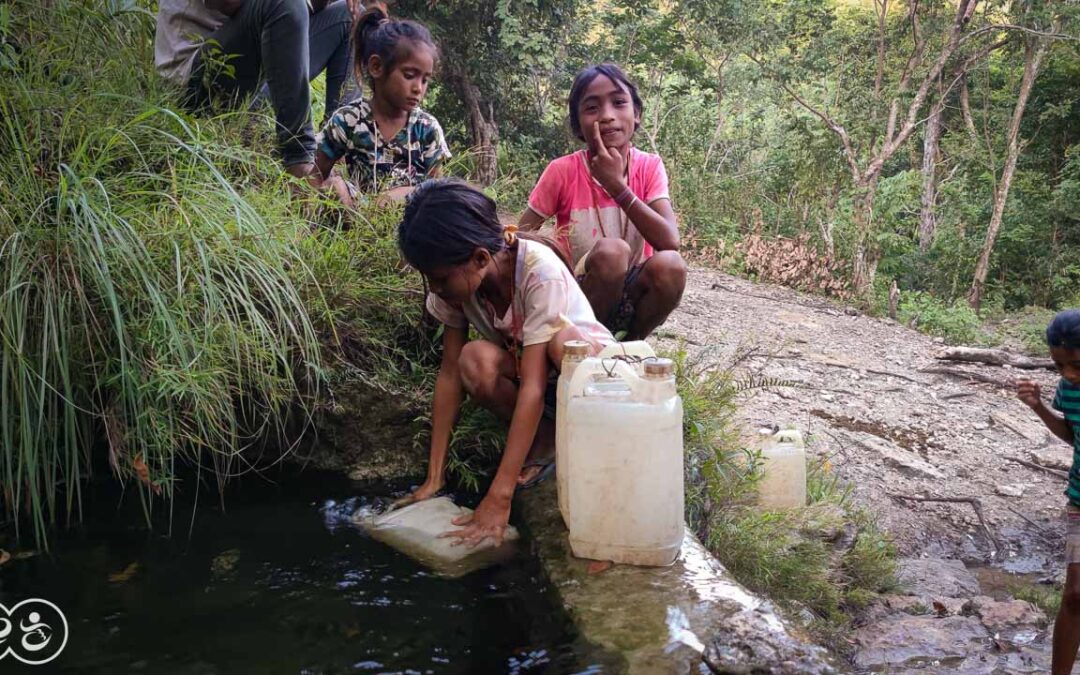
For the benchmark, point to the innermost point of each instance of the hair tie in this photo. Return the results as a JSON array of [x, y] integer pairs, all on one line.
[[510, 234]]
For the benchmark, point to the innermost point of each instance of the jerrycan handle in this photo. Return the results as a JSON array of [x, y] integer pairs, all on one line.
[[593, 366], [789, 436]]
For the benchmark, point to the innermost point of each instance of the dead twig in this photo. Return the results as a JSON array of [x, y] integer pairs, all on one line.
[[958, 394], [967, 375], [975, 504], [1046, 534], [1039, 467]]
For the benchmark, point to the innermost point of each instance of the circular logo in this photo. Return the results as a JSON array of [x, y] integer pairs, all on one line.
[[34, 631]]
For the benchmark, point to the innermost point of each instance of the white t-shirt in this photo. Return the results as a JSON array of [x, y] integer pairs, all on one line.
[[546, 299]]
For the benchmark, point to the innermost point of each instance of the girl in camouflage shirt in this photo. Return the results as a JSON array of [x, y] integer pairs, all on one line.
[[389, 144]]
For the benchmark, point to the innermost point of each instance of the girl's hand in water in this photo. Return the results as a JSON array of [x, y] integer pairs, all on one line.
[[488, 521], [1030, 393], [606, 166], [429, 489]]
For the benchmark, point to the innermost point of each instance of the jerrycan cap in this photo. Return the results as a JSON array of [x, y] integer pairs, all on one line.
[[575, 349], [659, 369]]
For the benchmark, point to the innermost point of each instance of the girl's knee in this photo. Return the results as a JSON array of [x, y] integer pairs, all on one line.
[[667, 272], [478, 366], [609, 256]]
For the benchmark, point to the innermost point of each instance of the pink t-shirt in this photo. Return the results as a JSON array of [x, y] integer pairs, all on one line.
[[546, 300], [584, 212]]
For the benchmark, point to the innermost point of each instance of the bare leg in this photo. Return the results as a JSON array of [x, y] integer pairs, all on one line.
[[605, 273], [1067, 626], [489, 375], [656, 292]]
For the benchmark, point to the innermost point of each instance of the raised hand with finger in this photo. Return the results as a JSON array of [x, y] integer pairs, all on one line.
[[607, 165]]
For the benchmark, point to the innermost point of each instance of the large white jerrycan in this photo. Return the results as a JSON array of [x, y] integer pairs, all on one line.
[[625, 448], [783, 485], [574, 352], [637, 350]]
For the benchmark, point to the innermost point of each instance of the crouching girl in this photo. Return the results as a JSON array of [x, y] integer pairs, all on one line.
[[522, 299]]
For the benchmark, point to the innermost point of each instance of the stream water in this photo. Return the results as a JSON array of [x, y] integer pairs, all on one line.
[[280, 582]]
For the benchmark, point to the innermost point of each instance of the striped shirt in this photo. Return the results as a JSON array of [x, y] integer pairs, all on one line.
[[1067, 400]]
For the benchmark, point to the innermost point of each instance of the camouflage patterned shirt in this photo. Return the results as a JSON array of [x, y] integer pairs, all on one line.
[[376, 164]]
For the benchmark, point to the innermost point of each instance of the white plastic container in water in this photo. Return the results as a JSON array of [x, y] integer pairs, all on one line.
[[624, 444], [574, 352], [638, 349], [783, 485], [415, 531]]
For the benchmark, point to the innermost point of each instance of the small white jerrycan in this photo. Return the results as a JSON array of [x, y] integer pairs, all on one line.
[[574, 352], [625, 448], [783, 485]]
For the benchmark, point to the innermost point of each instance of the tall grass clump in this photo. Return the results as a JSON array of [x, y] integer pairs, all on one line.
[[829, 558], [156, 295]]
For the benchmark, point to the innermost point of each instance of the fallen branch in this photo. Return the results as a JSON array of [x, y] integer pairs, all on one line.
[[992, 357], [975, 504], [1032, 465], [967, 375]]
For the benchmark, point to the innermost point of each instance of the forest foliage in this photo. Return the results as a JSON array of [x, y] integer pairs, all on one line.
[[930, 143]]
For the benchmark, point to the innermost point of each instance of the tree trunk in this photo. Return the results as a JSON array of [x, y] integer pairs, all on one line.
[[866, 254], [931, 145], [483, 133], [1033, 55]]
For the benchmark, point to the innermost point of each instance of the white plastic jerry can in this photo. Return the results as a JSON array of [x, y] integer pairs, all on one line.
[[574, 352], [783, 484], [636, 350], [625, 448]]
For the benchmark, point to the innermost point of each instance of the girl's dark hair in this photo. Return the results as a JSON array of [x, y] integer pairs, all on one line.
[[585, 78], [446, 220], [376, 34], [1064, 330]]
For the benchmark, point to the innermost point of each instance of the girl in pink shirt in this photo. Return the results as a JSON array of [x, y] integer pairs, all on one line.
[[612, 210], [524, 302]]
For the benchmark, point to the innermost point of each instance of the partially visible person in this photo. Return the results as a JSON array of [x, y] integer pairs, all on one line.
[[612, 209], [1063, 339], [228, 48], [523, 301], [388, 143]]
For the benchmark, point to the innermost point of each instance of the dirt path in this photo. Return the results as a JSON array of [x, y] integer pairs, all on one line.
[[888, 428]]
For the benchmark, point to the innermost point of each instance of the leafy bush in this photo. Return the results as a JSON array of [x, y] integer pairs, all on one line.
[[955, 321]]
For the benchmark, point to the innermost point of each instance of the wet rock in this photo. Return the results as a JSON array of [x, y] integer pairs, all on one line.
[[1027, 660], [901, 640], [738, 649], [936, 578], [674, 619], [999, 615], [1009, 490]]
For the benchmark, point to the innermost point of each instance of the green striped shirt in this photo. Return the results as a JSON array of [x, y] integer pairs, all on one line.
[[1067, 400]]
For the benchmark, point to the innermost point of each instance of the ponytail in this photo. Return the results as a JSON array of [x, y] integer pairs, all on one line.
[[377, 34]]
